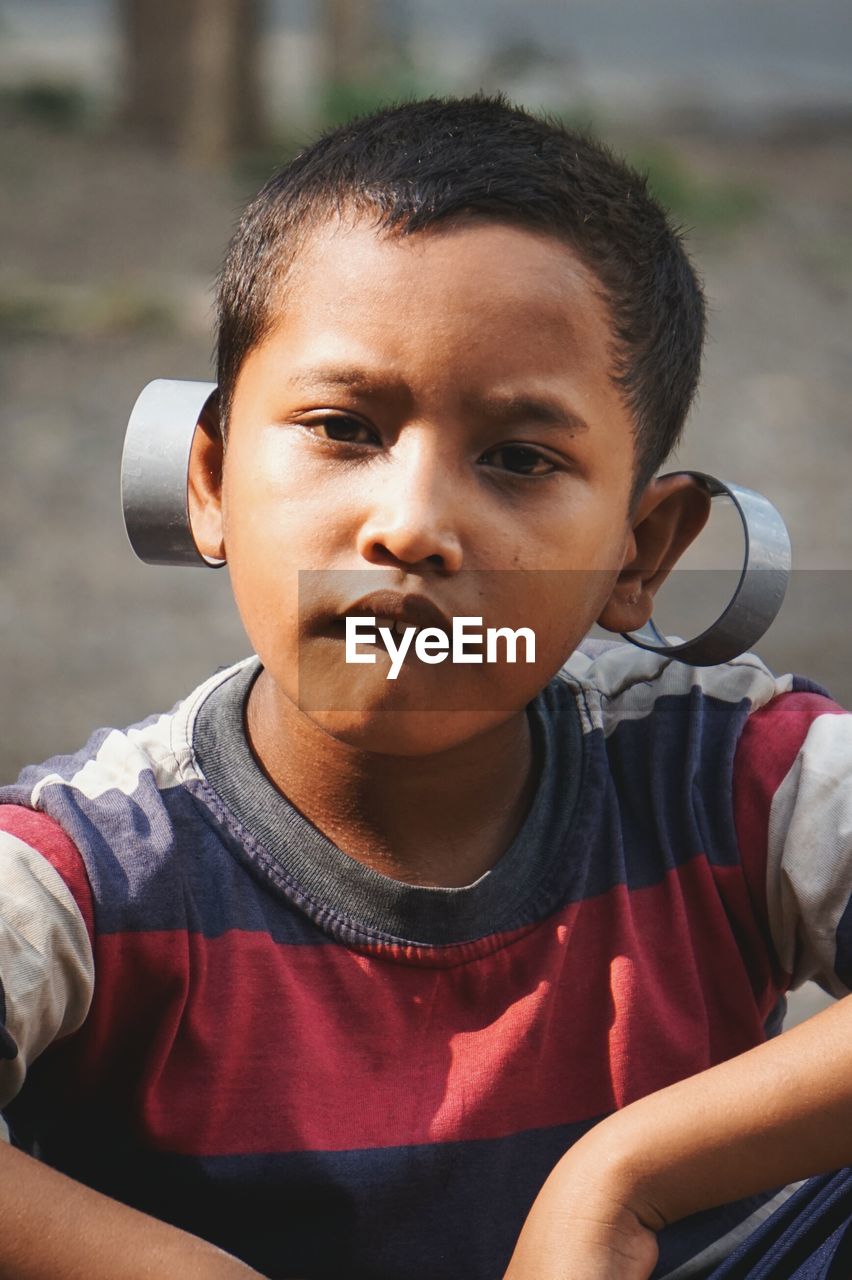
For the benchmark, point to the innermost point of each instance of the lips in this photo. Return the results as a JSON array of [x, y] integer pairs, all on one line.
[[397, 610]]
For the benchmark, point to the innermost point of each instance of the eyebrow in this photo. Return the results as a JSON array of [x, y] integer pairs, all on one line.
[[543, 410], [329, 376]]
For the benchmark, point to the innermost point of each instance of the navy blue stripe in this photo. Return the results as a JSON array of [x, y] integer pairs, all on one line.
[[8, 1047], [843, 953], [656, 793], [808, 1238], [803, 684], [159, 860], [430, 1212], [672, 771]]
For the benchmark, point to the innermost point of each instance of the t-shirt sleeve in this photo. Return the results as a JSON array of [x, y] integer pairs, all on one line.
[[793, 813], [46, 963]]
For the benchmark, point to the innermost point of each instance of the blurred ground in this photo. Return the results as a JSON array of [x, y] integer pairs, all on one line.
[[105, 284]]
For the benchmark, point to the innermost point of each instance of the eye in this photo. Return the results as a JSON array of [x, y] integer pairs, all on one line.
[[341, 428], [522, 460]]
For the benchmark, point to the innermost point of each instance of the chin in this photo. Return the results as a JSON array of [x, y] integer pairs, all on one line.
[[404, 733], [427, 710]]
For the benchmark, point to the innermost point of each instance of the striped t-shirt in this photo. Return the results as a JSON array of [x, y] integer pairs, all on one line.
[[211, 1012]]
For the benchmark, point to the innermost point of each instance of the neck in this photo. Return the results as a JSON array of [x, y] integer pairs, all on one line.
[[442, 819]]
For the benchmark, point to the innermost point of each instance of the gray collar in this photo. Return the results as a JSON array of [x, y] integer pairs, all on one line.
[[522, 887]]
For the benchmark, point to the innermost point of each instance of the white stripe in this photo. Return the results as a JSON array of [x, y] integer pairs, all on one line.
[[809, 871], [163, 747], [120, 760], [625, 682], [46, 963]]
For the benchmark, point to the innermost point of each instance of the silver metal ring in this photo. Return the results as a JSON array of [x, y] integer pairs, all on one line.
[[759, 593], [155, 472]]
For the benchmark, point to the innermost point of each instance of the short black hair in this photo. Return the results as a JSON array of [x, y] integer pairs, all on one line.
[[414, 164]]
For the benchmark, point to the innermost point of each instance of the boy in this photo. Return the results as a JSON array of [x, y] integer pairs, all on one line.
[[411, 979]]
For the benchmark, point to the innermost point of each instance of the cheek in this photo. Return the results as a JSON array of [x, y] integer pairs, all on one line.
[[584, 536], [561, 605], [277, 527]]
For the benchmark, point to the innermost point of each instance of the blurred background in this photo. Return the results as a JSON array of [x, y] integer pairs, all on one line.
[[133, 131]]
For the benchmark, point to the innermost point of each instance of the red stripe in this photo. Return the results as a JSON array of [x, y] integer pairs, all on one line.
[[46, 836], [241, 1045], [769, 744]]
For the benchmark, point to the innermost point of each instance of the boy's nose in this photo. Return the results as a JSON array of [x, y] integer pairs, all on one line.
[[413, 515]]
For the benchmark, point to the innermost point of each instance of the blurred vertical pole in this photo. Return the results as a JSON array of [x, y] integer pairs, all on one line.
[[192, 74], [350, 40]]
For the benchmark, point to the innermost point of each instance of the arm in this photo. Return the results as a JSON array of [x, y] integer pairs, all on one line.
[[53, 1228], [778, 1113]]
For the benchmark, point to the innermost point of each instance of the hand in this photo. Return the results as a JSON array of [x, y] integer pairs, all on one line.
[[777, 1113], [578, 1229]]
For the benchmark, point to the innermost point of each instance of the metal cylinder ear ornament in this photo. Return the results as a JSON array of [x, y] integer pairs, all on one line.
[[155, 472], [759, 593]]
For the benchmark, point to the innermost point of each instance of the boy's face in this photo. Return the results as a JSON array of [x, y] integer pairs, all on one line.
[[431, 414]]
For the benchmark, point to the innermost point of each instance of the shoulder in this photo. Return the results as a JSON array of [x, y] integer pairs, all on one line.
[[621, 682], [752, 727], [153, 755], [155, 752], [46, 932], [751, 768], [116, 810]]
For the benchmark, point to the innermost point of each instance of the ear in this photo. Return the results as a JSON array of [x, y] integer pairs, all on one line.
[[670, 514], [204, 482]]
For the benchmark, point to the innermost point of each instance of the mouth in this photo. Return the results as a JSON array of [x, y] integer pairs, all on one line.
[[393, 610], [337, 628]]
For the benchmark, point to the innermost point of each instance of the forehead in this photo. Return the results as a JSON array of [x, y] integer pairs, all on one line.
[[492, 287], [515, 254]]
